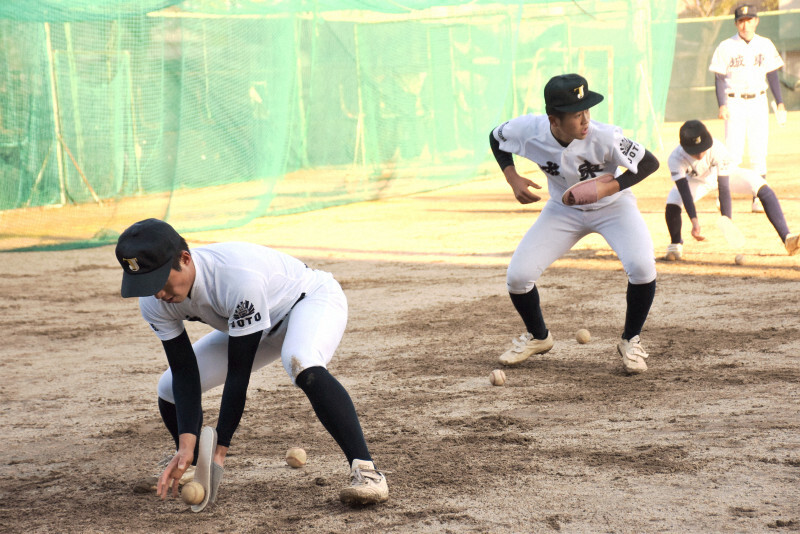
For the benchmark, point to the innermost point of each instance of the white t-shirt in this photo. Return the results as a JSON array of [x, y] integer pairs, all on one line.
[[715, 162], [604, 150], [745, 65], [239, 288]]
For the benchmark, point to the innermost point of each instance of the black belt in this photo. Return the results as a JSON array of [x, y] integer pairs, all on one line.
[[278, 324], [745, 96]]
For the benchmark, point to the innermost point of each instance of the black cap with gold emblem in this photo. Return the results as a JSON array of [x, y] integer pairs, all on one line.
[[146, 250], [569, 92], [745, 12], [695, 137]]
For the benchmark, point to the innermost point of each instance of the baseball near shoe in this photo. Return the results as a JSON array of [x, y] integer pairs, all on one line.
[[792, 244], [524, 347], [674, 252], [757, 207], [367, 486], [633, 355]]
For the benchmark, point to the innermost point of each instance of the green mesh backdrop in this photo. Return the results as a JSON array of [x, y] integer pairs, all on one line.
[[211, 113]]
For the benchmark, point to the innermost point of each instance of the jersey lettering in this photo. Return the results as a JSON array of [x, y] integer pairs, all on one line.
[[588, 170], [500, 132], [551, 168], [759, 60], [243, 316], [154, 327], [246, 321], [628, 149], [736, 61]]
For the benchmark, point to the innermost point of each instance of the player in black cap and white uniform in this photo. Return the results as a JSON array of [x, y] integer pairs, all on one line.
[[700, 165], [588, 193], [740, 65], [263, 305]]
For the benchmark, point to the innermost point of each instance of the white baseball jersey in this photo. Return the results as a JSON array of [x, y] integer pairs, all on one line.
[[745, 65], [604, 150], [714, 163], [239, 288]]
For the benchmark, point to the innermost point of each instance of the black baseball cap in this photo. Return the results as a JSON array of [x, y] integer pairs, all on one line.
[[745, 12], [569, 92], [146, 250], [695, 137]]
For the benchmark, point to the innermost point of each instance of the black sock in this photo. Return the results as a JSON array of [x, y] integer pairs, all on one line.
[[527, 305], [335, 411], [673, 216], [772, 208], [640, 298], [169, 414]]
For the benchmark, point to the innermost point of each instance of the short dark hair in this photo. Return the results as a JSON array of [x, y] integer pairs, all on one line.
[[176, 261], [555, 113]]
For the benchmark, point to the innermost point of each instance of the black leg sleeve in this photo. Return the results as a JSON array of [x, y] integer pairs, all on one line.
[[335, 411], [773, 211], [640, 298], [528, 307], [673, 217]]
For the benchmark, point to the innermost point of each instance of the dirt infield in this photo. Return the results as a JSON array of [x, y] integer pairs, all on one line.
[[708, 440]]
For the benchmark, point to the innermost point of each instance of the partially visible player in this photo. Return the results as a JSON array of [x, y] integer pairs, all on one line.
[[740, 65], [699, 165], [263, 306], [585, 157]]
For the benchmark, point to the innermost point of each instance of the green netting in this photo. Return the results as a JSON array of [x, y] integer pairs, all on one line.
[[211, 113]]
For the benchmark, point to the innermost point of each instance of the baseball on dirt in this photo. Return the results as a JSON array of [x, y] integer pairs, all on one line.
[[739, 259], [497, 377], [296, 457], [583, 336], [193, 493]]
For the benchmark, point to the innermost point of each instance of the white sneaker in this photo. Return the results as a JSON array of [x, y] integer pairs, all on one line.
[[674, 252], [367, 486], [633, 355], [757, 207], [524, 347], [792, 244]]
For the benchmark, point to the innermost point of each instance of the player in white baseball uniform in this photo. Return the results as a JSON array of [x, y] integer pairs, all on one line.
[[699, 165], [740, 65], [588, 193], [263, 305]]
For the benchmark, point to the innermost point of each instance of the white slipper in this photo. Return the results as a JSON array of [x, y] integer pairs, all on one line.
[[205, 457]]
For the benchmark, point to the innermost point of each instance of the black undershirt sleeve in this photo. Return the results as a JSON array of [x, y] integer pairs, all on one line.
[[185, 383], [719, 86], [241, 353], [724, 190], [504, 159], [646, 167], [686, 196], [775, 86]]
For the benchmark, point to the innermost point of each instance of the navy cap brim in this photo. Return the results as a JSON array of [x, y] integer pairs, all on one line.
[[704, 145], [591, 99], [145, 284]]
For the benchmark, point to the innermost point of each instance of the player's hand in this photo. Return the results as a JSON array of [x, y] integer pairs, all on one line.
[[723, 113], [696, 230], [519, 185], [172, 474]]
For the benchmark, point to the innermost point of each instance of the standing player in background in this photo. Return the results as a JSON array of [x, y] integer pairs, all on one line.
[[698, 166], [740, 65], [588, 193], [263, 305]]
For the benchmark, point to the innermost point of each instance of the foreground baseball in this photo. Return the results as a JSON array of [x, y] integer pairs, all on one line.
[[497, 377], [583, 336], [296, 457], [739, 259], [193, 493]]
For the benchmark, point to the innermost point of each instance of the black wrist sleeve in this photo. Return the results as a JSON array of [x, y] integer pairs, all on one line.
[[775, 86], [504, 159], [241, 353], [646, 167], [185, 383], [686, 196]]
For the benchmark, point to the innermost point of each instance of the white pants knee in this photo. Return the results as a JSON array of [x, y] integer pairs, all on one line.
[[307, 337], [558, 228]]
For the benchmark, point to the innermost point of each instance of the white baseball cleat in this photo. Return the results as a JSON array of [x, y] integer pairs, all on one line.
[[524, 347], [757, 207], [367, 486], [792, 244], [633, 355], [674, 252]]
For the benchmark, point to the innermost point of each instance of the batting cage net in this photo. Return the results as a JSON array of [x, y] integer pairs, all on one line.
[[210, 113]]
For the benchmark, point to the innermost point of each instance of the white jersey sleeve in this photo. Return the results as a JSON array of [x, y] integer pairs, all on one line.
[[512, 134]]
